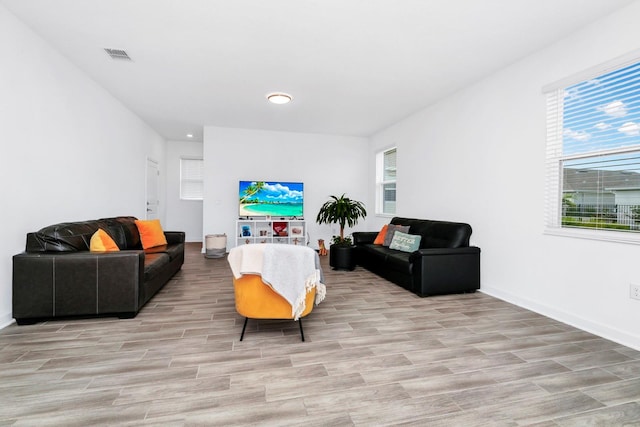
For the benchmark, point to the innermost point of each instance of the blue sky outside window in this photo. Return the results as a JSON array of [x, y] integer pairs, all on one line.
[[602, 113]]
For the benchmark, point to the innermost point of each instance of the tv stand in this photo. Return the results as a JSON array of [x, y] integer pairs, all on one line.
[[286, 231]]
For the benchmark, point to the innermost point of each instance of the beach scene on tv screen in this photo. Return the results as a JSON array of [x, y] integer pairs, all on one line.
[[263, 198]]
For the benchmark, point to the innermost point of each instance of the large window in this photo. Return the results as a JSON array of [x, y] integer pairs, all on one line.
[[593, 153], [191, 179], [386, 182]]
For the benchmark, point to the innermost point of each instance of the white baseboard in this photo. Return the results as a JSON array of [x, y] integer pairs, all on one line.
[[604, 331], [6, 320]]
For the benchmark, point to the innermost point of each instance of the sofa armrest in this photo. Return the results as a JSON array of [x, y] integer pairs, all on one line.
[[363, 237], [443, 251], [76, 283], [445, 270], [174, 236]]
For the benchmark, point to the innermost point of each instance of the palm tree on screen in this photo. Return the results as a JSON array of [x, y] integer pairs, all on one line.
[[252, 190]]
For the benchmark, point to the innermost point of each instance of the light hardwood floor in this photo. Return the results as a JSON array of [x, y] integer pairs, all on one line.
[[375, 355]]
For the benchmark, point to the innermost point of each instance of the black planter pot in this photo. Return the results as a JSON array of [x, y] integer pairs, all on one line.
[[342, 257]]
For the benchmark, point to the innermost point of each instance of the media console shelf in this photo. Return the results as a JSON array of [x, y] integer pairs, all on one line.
[[287, 231]]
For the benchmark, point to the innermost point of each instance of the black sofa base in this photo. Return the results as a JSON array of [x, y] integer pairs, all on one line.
[[33, 320]]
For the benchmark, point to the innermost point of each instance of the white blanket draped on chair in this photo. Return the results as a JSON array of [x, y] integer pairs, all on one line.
[[290, 270]]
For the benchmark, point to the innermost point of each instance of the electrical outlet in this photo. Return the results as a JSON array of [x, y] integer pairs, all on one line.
[[634, 291]]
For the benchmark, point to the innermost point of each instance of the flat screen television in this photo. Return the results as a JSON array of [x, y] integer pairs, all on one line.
[[271, 198]]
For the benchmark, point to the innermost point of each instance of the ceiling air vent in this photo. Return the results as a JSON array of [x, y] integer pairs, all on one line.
[[117, 54]]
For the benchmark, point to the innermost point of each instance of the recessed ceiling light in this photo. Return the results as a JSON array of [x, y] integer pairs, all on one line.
[[279, 98], [189, 135]]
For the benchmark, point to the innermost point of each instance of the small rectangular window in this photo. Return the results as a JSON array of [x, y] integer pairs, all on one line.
[[386, 182], [191, 179]]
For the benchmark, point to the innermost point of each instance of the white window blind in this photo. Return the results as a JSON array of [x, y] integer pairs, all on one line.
[[386, 182], [593, 152], [191, 179]]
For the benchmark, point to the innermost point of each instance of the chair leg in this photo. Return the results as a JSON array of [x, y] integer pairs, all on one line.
[[246, 319]]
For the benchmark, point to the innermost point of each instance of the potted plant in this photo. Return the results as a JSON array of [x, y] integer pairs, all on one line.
[[344, 212]]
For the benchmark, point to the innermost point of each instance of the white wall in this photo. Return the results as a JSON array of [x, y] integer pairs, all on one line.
[[70, 151], [478, 156], [182, 215], [327, 165]]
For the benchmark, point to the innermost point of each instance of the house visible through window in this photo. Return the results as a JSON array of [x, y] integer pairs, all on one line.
[[386, 182], [593, 152], [191, 179]]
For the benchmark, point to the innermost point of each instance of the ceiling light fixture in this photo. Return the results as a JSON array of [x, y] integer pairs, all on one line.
[[189, 135], [279, 98]]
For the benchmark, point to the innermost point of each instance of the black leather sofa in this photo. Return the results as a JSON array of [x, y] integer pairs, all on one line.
[[444, 264], [57, 275]]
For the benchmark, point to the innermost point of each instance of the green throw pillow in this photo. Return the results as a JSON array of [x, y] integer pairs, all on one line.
[[405, 242]]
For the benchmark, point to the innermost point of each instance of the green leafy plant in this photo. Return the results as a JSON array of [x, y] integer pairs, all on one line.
[[342, 211], [569, 221], [346, 240]]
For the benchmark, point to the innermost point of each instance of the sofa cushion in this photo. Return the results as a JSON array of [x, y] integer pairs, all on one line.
[[437, 234], [391, 229], [102, 242], [398, 261], [174, 251], [376, 253], [63, 237], [154, 265], [76, 236], [380, 237], [124, 231], [405, 242], [151, 233]]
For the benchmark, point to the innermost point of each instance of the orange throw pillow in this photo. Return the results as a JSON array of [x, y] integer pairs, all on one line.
[[151, 233], [380, 237], [102, 242]]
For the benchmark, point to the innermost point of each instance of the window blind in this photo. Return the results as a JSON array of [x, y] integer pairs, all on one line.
[[388, 184], [602, 113], [593, 152], [389, 165], [191, 179], [554, 155]]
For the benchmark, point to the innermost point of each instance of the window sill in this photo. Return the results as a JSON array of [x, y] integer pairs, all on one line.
[[602, 235]]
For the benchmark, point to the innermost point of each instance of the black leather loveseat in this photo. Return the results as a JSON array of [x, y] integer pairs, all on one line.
[[444, 264], [57, 275]]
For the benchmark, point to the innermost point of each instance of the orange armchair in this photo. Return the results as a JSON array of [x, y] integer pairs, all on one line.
[[257, 300], [275, 281]]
